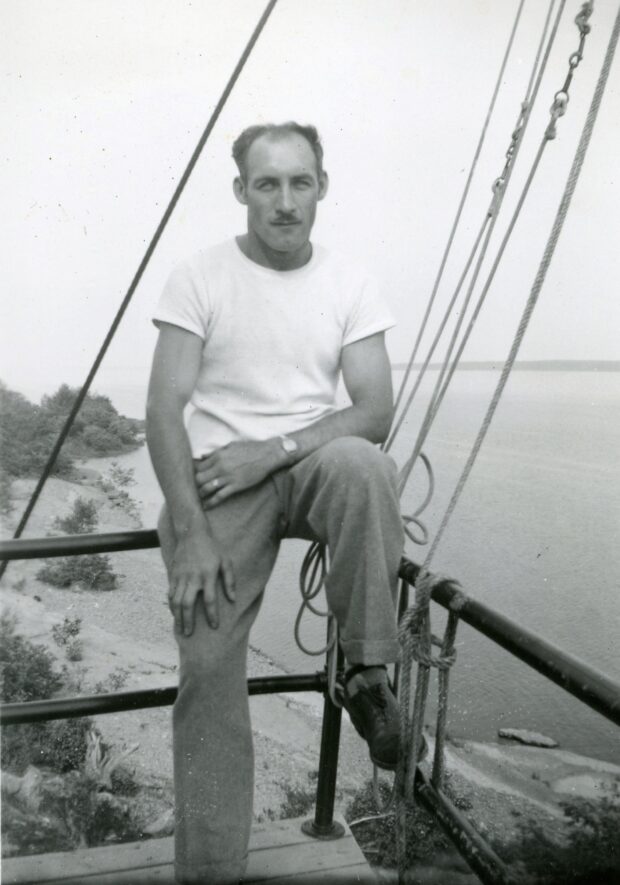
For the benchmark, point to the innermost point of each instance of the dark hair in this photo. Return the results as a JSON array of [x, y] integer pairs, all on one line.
[[276, 130]]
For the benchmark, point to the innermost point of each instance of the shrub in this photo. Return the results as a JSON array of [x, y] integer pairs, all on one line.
[[82, 519], [28, 432], [589, 856], [121, 476], [116, 680], [114, 486], [74, 650], [63, 633], [298, 801], [6, 489], [92, 572], [27, 670], [63, 744], [124, 782], [28, 674]]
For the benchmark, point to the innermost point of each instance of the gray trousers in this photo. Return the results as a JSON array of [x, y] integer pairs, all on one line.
[[343, 495]]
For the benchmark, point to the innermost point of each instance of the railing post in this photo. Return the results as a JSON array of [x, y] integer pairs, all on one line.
[[324, 826]]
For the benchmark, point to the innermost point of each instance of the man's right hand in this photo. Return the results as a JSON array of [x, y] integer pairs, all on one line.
[[198, 567]]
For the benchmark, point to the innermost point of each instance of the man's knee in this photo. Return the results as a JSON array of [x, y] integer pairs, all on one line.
[[358, 458]]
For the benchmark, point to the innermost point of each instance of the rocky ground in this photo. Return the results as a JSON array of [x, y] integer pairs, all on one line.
[[127, 642]]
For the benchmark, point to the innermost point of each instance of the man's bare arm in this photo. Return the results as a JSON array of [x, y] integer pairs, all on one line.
[[367, 377], [197, 563]]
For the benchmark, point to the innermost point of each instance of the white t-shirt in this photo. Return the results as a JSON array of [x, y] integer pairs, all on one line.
[[272, 339]]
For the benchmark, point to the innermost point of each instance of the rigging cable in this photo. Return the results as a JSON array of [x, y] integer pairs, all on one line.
[[500, 187], [459, 211], [140, 271], [423, 585], [441, 386]]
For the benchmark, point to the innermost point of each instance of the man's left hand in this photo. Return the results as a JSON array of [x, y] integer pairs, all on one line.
[[235, 467]]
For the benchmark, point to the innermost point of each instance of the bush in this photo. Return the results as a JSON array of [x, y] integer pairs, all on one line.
[[115, 680], [28, 674], [299, 800], [6, 497], [82, 519], [27, 670], [63, 746], [28, 432], [74, 650], [63, 633], [114, 486], [589, 856], [92, 572], [121, 476]]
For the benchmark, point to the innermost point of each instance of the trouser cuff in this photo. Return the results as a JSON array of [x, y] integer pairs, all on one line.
[[370, 651]]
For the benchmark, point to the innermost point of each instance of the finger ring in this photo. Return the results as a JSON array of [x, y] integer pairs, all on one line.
[[215, 483]]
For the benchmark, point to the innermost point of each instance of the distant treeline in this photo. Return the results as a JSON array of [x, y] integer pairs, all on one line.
[[532, 365], [28, 431]]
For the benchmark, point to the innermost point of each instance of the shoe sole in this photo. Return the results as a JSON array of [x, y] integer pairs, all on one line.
[[388, 766]]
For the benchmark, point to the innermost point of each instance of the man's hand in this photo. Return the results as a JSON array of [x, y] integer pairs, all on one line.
[[235, 467], [198, 567]]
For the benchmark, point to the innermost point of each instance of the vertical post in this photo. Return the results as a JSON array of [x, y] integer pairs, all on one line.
[[324, 826]]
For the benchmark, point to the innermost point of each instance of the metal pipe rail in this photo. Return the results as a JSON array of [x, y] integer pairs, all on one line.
[[581, 680], [118, 702], [584, 682]]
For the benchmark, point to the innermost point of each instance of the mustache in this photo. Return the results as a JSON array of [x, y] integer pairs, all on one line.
[[285, 217]]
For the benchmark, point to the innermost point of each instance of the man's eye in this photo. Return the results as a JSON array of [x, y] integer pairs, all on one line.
[[265, 185], [304, 183]]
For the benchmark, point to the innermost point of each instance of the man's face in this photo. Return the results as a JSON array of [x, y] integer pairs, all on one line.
[[281, 190]]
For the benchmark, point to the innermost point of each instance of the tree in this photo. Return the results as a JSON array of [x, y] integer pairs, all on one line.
[[28, 432]]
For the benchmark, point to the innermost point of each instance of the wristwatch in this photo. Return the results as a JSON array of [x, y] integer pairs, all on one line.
[[289, 445]]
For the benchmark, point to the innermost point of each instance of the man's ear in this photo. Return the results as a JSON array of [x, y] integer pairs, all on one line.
[[240, 190], [323, 184]]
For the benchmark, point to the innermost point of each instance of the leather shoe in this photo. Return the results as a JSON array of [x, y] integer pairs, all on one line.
[[374, 712]]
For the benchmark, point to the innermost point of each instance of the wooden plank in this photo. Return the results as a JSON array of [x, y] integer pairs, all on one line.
[[278, 852], [358, 874], [62, 866], [148, 852], [289, 861]]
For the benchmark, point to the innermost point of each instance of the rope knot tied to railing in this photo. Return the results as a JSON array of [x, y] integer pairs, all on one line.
[[414, 633]]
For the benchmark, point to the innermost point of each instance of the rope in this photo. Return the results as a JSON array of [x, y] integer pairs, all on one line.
[[459, 211], [500, 188], [417, 622], [558, 108], [140, 271]]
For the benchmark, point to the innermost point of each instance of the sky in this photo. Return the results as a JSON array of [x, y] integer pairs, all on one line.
[[106, 101]]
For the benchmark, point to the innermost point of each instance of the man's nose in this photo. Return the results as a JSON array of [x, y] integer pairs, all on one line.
[[286, 203]]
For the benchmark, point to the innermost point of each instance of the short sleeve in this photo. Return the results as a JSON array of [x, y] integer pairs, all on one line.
[[182, 303], [368, 315]]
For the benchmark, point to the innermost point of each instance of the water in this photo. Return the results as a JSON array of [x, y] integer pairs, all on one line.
[[534, 536]]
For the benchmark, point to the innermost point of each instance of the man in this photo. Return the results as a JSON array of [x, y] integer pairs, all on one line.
[[254, 332]]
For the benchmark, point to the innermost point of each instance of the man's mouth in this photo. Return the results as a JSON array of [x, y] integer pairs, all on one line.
[[285, 223]]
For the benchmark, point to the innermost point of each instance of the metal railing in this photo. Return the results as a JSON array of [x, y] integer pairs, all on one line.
[[577, 678]]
